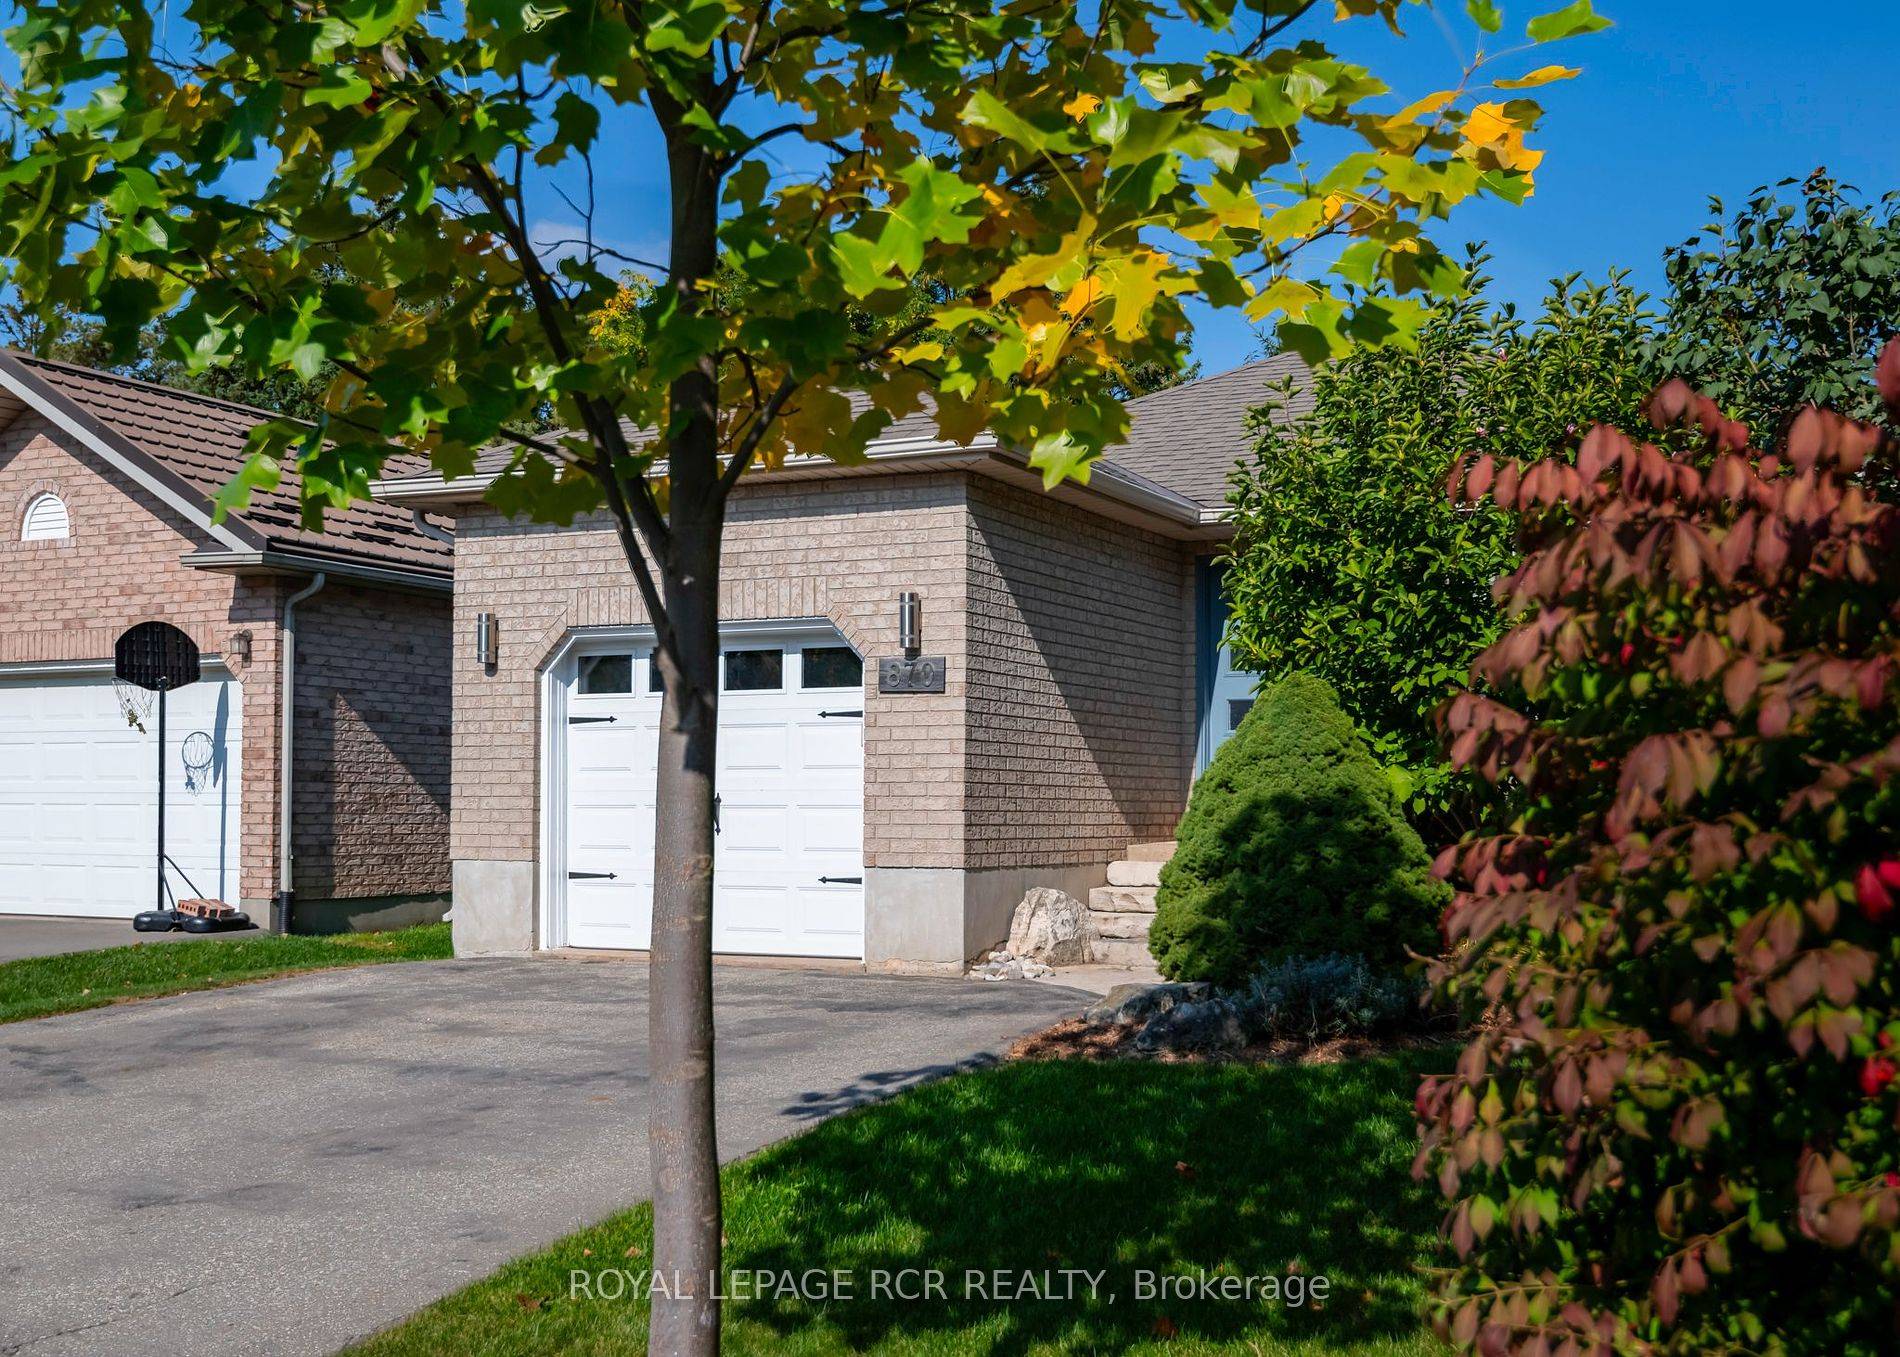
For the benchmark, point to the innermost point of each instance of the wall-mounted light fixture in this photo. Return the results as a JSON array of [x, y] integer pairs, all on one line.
[[238, 647], [487, 641], [910, 624]]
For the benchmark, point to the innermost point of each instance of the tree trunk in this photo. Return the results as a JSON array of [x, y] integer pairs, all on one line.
[[682, 1131]]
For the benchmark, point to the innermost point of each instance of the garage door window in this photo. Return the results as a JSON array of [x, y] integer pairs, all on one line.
[[754, 671], [830, 667], [602, 674]]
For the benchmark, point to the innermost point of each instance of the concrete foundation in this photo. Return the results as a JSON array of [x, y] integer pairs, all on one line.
[[934, 920], [367, 915], [493, 913]]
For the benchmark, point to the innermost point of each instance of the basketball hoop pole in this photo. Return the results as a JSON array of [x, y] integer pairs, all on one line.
[[161, 797]]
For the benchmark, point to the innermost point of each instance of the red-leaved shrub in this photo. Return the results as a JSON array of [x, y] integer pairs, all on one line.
[[1676, 1128]]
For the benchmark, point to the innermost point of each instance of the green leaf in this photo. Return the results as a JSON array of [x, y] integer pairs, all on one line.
[[1484, 14], [1568, 22], [339, 87]]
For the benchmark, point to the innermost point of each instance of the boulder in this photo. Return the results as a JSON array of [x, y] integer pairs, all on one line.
[[1052, 927], [1193, 1029], [1139, 1003]]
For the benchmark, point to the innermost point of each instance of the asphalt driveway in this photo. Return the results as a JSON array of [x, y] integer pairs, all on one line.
[[25, 935], [281, 1168]]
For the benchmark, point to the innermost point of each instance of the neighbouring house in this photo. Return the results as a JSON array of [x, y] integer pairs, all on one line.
[[1082, 683], [307, 771]]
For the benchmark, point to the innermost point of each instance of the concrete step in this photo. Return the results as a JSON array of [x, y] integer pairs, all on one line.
[[1123, 899], [1119, 925], [1127, 873], [1131, 953], [1158, 851]]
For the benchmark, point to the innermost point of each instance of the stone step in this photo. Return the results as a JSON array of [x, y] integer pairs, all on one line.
[[1158, 851], [1131, 953], [1122, 899], [1121, 925], [1127, 873]]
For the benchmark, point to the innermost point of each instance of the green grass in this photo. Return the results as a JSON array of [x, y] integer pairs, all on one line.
[[39, 986], [1035, 1166]]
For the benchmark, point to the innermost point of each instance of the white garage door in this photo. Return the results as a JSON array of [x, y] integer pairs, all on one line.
[[789, 859], [79, 795]]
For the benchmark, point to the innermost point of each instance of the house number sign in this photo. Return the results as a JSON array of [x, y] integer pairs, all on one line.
[[918, 674]]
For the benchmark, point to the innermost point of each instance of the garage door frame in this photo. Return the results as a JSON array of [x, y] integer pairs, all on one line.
[[212, 667], [557, 675]]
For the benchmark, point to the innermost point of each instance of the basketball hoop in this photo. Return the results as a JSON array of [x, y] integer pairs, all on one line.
[[135, 703]]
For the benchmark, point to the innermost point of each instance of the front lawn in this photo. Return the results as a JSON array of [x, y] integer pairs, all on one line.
[[1033, 1166], [38, 986]]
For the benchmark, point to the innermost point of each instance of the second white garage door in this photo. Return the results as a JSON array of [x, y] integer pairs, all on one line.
[[789, 862], [79, 795]]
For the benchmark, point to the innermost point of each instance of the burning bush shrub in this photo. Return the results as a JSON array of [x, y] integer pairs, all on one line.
[[1676, 1129]]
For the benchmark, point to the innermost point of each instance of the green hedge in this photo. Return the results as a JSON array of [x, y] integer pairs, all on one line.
[[1293, 845]]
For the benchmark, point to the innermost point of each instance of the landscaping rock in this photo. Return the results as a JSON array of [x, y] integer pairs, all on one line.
[[1052, 927], [1139, 1003], [1194, 1028]]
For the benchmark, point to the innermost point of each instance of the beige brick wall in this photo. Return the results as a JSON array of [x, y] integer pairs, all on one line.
[[1080, 682], [1065, 729], [841, 550], [373, 688], [70, 599], [371, 740]]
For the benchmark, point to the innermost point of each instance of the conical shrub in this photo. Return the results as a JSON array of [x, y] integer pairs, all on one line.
[[1293, 845]]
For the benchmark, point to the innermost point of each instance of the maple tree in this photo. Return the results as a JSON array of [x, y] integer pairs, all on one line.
[[1675, 1129], [355, 183]]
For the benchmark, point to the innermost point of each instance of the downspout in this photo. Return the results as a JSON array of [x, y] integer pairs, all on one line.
[[286, 709]]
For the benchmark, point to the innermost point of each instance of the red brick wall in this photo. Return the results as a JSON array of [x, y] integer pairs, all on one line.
[[370, 810]]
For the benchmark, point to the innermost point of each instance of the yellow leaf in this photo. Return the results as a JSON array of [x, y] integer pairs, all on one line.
[[1543, 75], [1287, 295], [1081, 297], [919, 353], [1081, 106], [1431, 103], [1488, 124]]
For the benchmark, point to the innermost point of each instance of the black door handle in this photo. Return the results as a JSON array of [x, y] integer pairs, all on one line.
[[590, 876], [716, 804], [841, 881]]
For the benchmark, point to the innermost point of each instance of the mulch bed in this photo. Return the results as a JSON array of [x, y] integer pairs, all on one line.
[[1074, 1039]]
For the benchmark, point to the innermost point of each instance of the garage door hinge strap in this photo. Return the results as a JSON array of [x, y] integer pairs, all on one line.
[[841, 881], [590, 876], [859, 712], [587, 720]]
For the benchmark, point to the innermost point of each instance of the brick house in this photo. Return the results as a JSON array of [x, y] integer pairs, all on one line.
[[1081, 686], [106, 484]]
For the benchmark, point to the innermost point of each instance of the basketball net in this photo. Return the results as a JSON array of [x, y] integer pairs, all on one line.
[[135, 703]]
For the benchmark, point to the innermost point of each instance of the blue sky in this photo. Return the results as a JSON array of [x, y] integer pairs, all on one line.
[[1680, 100]]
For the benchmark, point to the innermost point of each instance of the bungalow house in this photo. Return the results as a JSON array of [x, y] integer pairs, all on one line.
[[306, 771], [1065, 683]]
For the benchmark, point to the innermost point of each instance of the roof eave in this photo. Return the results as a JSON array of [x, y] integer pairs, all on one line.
[[274, 562]]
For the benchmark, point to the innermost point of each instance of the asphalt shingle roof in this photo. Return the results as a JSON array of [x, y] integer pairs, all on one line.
[[1187, 438], [1190, 436], [202, 441]]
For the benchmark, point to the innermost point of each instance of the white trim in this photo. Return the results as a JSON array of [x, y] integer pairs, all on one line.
[[210, 665], [555, 680], [194, 513]]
